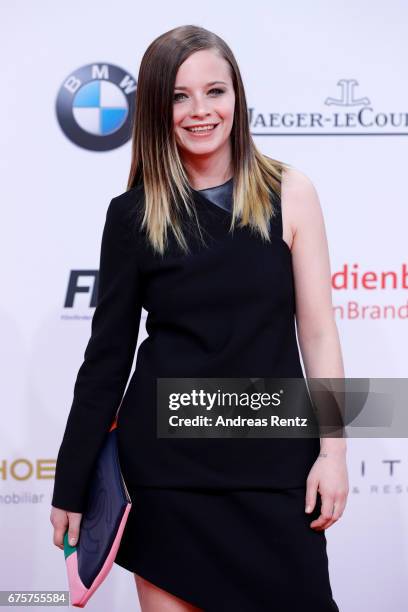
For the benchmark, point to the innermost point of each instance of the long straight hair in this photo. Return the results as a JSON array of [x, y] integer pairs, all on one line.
[[155, 161]]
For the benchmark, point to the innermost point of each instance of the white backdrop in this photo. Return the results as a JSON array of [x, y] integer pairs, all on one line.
[[344, 63]]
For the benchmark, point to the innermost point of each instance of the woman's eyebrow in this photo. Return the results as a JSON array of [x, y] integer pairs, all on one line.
[[207, 85]]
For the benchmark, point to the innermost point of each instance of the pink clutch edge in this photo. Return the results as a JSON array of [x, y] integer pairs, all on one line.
[[79, 593]]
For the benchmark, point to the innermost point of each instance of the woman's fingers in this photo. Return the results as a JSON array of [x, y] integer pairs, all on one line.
[[59, 537], [332, 509], [326, 512], [59, 520], [311, 493], [63, 520], [74, 526]]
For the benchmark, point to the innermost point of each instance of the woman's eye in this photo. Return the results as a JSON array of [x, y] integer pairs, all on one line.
[[215, 89]]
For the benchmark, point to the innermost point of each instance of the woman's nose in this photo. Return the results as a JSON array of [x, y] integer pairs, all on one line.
[[200, 107]]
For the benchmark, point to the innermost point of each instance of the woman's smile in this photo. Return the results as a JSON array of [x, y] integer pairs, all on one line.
[[202, 131]]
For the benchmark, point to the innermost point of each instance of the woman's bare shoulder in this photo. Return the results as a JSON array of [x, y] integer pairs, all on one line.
[[295, 181], [300, 202]]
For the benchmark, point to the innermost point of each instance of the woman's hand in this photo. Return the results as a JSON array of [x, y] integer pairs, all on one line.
[[328, 476], [61, 520]]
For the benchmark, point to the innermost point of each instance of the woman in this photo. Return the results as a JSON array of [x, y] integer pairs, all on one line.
[[216, 241]]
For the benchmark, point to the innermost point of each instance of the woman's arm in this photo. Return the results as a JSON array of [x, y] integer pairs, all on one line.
[[108, 358], [317, 330]]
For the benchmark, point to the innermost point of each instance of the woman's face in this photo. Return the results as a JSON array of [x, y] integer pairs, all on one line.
[[203, 95]]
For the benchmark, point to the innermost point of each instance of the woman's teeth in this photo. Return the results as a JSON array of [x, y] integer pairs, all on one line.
[[201, 129]]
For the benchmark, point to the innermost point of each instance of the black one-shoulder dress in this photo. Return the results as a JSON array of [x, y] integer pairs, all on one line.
[[219, 523]]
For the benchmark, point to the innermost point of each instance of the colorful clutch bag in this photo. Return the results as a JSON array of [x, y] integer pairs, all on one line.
[[102, 525]]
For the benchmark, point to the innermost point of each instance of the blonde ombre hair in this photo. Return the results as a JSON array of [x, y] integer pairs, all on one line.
[[155, 161]]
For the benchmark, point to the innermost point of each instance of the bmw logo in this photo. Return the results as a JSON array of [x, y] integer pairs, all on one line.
[[95, 106]]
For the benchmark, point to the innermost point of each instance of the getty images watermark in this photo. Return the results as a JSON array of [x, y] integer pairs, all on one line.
[[281, 407]]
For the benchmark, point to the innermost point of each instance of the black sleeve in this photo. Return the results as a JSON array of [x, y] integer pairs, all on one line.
[[108, 358]]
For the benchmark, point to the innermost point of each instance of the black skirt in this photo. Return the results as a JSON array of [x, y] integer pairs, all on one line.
[[229, 550]]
